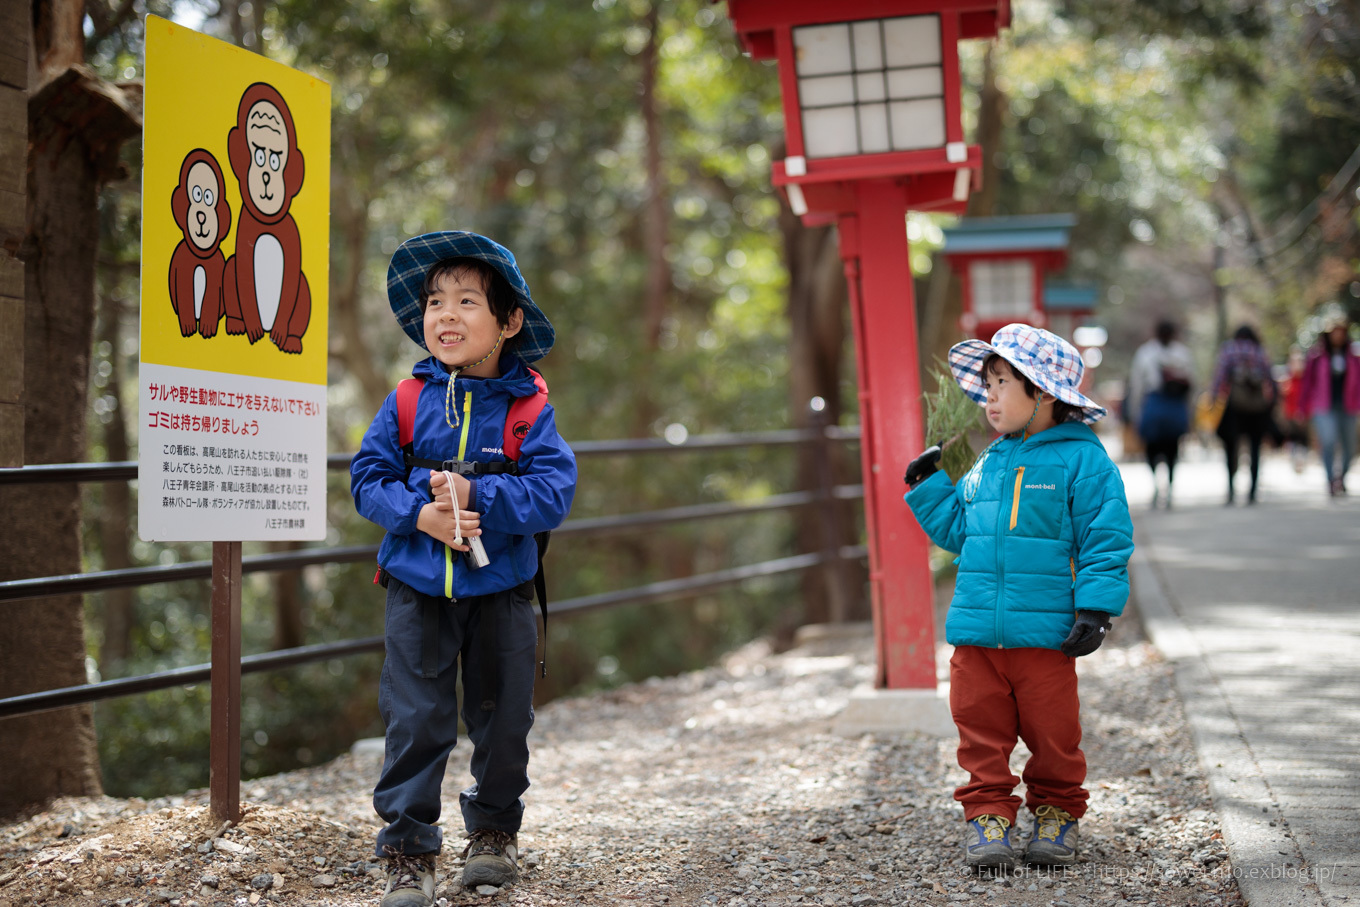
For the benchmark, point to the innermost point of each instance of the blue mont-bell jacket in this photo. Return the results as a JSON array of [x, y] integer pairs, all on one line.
[[1047, 533], [512, 507]]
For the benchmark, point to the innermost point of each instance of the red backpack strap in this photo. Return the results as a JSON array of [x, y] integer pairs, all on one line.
[[408, 395], [521, 417]]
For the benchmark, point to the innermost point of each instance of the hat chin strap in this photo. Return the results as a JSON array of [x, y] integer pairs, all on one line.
[[1038, 401]]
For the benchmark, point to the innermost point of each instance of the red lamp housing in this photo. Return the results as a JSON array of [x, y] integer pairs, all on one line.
[[871, 89]]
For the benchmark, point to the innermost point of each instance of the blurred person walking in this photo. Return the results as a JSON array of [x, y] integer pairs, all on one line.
[[1330, 395], [1292, 416], [1159, 401], [1243, 381]]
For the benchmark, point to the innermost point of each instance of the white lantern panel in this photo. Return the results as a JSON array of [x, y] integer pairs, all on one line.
[[822, 49], [1002, 289], [826, 91], [912, 41], [868, 44], [846, 71], [830, 131], [917, 124], [922, 82], [870, 87], [873, 128]]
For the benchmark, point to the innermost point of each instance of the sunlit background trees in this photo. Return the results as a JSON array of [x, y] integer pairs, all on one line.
[[622, 149]]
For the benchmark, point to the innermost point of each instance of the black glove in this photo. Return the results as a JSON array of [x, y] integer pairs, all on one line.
[[923, 467], [1087, 634]]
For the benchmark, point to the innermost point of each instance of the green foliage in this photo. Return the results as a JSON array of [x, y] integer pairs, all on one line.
[[1164, 126], [951, 417]]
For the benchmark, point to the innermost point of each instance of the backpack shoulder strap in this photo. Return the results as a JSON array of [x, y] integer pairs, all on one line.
[[408, 395], [520, 418]]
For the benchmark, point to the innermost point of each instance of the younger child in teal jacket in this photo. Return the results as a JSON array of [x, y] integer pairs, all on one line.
[[1042, 529]]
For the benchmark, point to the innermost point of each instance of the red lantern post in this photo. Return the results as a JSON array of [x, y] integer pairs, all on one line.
[[873, 127]]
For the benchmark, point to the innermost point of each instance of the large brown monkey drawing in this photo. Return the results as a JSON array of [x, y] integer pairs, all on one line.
[[196, 266], [264, 288]]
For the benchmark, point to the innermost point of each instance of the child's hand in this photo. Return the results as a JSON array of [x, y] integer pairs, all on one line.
[[439, 489], [436, 521], [923, 467], [1087, 634]]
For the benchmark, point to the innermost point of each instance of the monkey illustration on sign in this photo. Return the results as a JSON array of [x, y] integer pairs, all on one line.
[[264, 288], [204, 217]]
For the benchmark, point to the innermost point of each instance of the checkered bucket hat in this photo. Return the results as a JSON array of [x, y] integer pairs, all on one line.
[[1049, 361], [413, 260]]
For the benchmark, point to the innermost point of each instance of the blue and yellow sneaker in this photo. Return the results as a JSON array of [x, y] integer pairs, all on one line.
[[1054, 842], [987, 843]]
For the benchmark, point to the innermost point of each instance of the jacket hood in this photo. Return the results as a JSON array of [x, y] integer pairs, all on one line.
[[514, 379]]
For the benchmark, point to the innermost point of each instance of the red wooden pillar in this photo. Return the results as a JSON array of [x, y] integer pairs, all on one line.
[[878, 269]]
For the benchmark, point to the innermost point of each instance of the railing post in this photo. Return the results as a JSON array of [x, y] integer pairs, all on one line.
[[224, 756], [828, 515]]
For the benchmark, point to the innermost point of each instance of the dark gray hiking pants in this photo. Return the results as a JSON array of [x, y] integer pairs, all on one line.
[[421, 712]]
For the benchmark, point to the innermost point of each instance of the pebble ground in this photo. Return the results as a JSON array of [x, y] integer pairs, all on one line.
[[725, 786]]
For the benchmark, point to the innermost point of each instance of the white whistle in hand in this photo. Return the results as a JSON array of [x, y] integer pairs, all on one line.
[[477, 551]]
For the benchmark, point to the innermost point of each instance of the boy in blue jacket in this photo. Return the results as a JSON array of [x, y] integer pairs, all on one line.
[[461, 297], [1043, 533]]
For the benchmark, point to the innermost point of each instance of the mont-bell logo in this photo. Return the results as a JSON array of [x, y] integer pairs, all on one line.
[[521, 430]]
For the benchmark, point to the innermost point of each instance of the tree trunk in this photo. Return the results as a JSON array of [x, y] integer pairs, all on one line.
[[289, 628], [817, 312], [942, 304], [14, 64], [351, 220], [656, 291], [115, 517], [658, 200], [76, 126]]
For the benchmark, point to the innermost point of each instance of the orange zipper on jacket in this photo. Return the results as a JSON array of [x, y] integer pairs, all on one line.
[[1015, 498]]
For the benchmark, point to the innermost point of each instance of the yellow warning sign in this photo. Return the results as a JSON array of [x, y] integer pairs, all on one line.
[[235, 208]]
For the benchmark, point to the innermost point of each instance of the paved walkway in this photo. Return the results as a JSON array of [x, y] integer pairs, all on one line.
[[1259, 610]]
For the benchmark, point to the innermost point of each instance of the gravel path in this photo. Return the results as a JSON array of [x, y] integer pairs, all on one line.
[[720, 787]]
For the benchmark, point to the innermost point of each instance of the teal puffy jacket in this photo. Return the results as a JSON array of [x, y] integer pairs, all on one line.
[[1047, 532]]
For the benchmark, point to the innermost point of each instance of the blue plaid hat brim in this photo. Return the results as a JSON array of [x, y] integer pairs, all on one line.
[[1052, 363], [413, 260]]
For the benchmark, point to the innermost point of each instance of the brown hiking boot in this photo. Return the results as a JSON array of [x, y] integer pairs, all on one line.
[[491, 857], [410, 880]]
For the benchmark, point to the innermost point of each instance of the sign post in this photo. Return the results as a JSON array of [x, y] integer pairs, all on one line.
[[232, 387]]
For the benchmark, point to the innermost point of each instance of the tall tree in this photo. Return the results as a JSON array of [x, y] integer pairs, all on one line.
[[77, 125]]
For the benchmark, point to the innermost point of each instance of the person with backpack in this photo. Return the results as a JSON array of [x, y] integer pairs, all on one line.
[[1042, 529], [1159, 401], [463, 467], [1329, 394], [1243, 381]]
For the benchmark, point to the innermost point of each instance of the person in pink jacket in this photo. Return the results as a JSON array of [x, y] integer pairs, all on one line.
[[1330, 397]]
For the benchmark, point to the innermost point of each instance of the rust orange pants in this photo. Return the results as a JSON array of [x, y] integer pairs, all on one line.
[[999, 695]]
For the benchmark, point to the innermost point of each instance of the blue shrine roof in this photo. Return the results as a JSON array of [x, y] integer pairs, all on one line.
[[1060, 297], [1009, 234]]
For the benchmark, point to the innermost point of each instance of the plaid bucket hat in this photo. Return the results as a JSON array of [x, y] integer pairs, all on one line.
[[413, 260], [1053, 364]]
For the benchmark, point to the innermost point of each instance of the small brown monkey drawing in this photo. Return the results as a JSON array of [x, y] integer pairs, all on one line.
[[264, 288], [196, 265]]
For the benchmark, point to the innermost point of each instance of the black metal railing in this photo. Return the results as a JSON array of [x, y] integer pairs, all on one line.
[[40, 587]]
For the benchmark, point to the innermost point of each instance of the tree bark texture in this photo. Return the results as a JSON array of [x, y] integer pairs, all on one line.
[[818, 305], [14, 65], [655, 217], [942, 303], [76, 125], [115, 516], [350, 217]]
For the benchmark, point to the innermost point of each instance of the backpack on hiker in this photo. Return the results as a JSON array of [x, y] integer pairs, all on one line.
[[1249, 388]]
